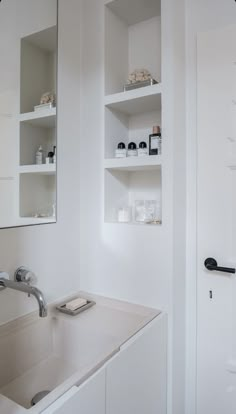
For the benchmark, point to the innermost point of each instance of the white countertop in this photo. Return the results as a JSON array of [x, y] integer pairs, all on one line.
[[113, 322]]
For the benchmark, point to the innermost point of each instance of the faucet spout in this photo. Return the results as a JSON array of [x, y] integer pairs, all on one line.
[[31, 290]]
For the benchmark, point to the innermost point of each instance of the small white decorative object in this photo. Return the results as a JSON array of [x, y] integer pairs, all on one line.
[[47, 101], [145, 210], [138, 79], [139, 75], [48, 97], [124, 214]]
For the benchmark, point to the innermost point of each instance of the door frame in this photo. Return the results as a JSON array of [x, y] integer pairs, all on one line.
[[191, 230]]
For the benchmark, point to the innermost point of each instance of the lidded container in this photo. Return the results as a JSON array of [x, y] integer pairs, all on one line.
[[132, 149], [121, 150], [124, 214], [142, 150], [145, 210]]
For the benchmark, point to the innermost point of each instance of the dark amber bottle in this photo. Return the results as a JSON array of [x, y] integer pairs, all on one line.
[[154, 139]]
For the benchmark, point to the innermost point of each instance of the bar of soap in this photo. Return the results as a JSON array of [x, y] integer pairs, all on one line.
[[76, 304]]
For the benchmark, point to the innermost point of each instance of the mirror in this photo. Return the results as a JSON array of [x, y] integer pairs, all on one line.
[[28, 114]]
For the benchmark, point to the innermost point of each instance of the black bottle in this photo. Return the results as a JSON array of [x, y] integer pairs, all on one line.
[[154, 141]]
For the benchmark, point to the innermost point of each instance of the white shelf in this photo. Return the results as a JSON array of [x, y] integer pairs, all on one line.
[[136, 101], [44, 118], [152, 162], [26, 221], [131, 26], [134, 223], [134, 11], [43, 169]]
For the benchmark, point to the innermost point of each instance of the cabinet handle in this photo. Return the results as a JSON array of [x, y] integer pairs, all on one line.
[[211, 264]]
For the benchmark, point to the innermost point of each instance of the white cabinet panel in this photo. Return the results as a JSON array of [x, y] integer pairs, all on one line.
[[133, 382], [89, 398], [136, 378]]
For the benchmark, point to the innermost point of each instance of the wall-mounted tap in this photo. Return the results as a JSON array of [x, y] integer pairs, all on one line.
[[23, 278]]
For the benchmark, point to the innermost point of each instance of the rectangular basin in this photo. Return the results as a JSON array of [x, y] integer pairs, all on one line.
[[44, 353], [55, 353]]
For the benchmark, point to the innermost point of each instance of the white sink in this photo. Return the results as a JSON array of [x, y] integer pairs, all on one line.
[[55, 353], [42, 354]]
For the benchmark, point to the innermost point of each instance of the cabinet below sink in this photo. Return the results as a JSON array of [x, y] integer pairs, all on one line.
[[132, 382]]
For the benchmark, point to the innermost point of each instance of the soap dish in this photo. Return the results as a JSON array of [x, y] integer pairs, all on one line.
[[62, 308]]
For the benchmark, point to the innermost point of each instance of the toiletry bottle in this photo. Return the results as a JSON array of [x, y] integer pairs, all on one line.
[[159, 142], [132, 149], [121, 150], [142, 150], [54, 158], [49, 158], [39, 156], [154, 140]]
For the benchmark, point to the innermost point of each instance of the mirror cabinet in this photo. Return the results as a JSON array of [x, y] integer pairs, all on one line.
[[28, 112]]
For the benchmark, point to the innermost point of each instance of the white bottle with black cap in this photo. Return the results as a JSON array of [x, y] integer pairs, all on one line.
[[121, 150], [142, 150], [132, 150]]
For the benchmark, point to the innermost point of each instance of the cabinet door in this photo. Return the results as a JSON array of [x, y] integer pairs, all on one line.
[[89, 398], [136, 378]]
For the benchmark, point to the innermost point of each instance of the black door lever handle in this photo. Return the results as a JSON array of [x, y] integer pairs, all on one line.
[[211, 264]]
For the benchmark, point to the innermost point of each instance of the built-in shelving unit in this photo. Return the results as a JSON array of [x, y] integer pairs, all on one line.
[[149, 163], [42, 118], [133, 102], [37, 183], [43, 169], [37, 194], [132, 41], [124, 187], [38, 67]]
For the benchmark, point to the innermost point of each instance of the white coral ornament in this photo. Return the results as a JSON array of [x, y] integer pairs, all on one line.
[[139, 75], [48, 97]]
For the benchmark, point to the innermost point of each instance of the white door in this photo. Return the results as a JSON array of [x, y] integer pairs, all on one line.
[[216, 291]]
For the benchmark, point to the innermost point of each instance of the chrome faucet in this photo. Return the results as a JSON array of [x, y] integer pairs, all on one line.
[[23, 278]]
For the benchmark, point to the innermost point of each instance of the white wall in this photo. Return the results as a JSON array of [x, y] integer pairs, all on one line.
[[51, 251], [201, 15], [122, 261], [129, 262]]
